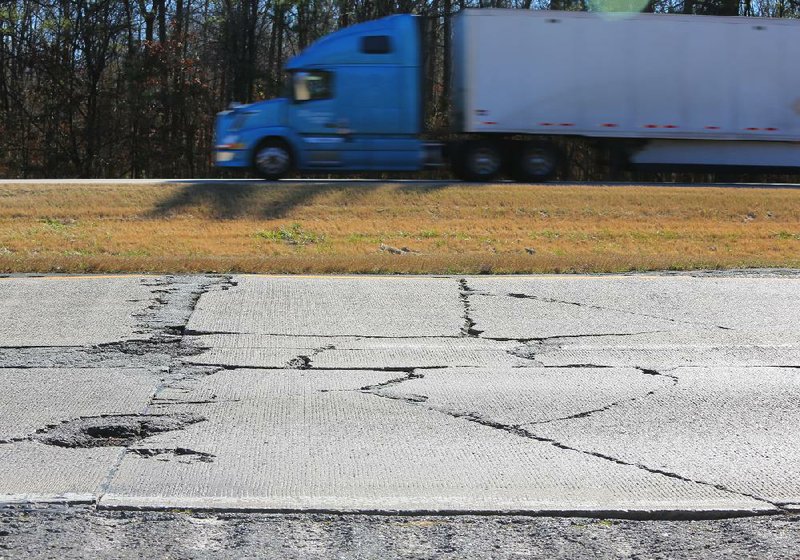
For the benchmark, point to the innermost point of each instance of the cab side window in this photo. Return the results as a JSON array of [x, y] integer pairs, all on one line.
[[312, 85], [376, 44]]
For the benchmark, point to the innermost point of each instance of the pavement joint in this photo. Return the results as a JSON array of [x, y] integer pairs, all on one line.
[[616, 310], [188, 296], [468, 329]]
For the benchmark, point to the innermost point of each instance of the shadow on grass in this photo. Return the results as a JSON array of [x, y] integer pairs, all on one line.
[[432, 187], [260, 200]]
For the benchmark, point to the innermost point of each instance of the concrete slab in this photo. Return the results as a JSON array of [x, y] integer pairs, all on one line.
[[34, 472], [367, 306], [521, 396], [35, 398], [748, 304], [669, 357], [508, 317], [734, 427], [690, 346], [496, 428], [249, 350], [307, 440], [70, 311]]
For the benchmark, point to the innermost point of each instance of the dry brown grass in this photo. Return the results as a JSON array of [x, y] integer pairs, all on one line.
[[341, 228]]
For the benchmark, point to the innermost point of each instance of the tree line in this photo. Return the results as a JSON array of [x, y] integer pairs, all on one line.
[[109, 88]]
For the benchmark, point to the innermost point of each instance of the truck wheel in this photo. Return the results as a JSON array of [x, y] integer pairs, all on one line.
[[479, 161], [536, 162], [272, 159]]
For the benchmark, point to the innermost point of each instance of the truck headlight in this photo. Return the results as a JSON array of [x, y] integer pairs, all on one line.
[[231, 142]]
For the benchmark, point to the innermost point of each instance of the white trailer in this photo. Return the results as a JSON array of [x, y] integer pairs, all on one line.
[[659, 89]]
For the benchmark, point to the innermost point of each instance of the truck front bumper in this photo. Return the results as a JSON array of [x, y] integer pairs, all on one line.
[[230, 158]]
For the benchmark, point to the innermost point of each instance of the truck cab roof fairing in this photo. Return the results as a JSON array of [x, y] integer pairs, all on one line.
[[342, 47]]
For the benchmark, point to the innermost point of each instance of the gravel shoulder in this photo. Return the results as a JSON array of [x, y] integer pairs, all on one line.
[[82, 532]]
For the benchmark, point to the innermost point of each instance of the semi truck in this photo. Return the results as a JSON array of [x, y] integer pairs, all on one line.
[[651, 90]]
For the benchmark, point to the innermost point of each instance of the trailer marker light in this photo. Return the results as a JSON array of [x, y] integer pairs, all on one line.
[[546, 124], [651, 126], [771, 129], [489, 122], [712, 128], [670, 126], [567, 124], [609, 125]]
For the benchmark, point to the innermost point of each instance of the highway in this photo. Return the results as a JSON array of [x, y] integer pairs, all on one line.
[[633, 397]]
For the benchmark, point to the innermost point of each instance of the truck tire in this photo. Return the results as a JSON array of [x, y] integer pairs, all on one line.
[[480, 160], [535, 162], [273, 159]]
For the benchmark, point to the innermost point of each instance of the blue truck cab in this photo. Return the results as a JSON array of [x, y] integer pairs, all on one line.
[[353, 103]]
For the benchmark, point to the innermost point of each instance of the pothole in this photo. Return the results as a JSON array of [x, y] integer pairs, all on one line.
[[111, 431]]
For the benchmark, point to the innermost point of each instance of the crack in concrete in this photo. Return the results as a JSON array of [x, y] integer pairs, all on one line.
[[172, 336], [165, 345], [170, 402], [46, 346], [315, 336], [304, 361], [410, 374], [128, 354], [625, 311], [614, 404], [543, 339], [8, 441], [468, 328], [174, 300], [377, 369], [182, 454], [196, 291], [547, 342], [189, 332], [521, 431]]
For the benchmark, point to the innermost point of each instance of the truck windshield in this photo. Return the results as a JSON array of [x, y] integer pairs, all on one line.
[[312, 85]]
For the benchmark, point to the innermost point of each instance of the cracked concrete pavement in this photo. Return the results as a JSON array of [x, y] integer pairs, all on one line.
[[644, 397]]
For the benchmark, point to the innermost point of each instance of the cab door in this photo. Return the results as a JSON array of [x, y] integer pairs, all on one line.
[[319, 115]]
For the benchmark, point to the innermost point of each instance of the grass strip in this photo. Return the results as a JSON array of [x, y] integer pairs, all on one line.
[[385, 227]]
